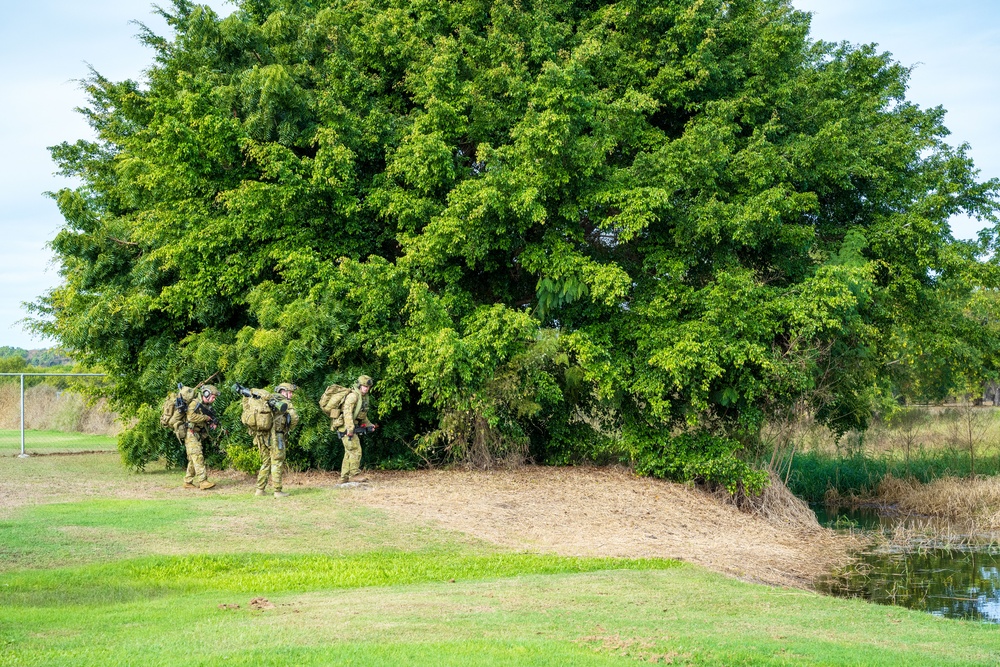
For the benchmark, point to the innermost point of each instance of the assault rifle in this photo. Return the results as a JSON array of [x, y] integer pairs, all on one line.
[[244, 391], [179, 404], [277, 406], [207, 410], [364, 429]]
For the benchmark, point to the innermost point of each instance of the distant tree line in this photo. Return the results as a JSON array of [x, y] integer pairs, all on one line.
[[42, 358]]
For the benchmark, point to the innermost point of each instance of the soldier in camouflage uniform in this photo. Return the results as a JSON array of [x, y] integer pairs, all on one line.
[[200, 417], [272, 444], [355, 411]]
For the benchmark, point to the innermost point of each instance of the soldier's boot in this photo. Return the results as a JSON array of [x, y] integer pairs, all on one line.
[[206, 485], [189, 485], [359, 478], [259, 492], [280, 494]]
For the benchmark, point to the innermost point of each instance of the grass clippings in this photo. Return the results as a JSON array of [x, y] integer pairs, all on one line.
[[612, 513]]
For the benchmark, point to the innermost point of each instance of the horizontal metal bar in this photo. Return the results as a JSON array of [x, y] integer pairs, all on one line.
[[60, 375]]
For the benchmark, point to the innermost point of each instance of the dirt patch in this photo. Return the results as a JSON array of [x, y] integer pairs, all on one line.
[[607, 512], [568, 511]]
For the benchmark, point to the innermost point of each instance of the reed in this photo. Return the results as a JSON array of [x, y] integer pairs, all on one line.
[[921, 444], [48, 408], [973, 503]]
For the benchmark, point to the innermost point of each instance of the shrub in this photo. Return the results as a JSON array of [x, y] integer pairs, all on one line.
[[700, 457]]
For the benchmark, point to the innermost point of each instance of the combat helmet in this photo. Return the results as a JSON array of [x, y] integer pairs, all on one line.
[[287, 386], [365, 381], [208, 390]]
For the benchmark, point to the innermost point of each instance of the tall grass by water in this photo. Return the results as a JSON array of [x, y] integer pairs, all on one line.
[[819, 477], [921, 444]]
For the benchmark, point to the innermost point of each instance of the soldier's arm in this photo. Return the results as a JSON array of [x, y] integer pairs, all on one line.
[[348, 410], [293, 418], [194, 416]]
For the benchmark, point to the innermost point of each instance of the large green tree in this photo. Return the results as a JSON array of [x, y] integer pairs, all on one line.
[[576, 229]]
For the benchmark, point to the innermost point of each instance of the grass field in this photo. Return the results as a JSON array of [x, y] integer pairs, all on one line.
[[103, 567], [48, 442]]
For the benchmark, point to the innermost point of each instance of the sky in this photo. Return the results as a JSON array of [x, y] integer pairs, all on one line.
[[47, 46]]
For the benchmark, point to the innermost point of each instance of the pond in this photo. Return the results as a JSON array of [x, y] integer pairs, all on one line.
[[953, 583]]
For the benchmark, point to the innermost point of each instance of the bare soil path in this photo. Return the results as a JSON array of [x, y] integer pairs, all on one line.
[[609, 512]]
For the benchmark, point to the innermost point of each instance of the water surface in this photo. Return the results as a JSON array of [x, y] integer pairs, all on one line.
[[953, 583], [948, 583]]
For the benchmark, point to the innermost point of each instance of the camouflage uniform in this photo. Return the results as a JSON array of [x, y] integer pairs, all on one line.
[[197, 428], [272, 444], [354, 412]]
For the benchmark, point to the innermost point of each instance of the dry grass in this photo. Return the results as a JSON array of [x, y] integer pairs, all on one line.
[[923, 534], [567, 511], [969, 502], [911, 430], [611, 512], [777, 504], [49, 409]]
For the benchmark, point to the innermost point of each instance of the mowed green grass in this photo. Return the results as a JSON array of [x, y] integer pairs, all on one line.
[[47, 442], [155, 575]]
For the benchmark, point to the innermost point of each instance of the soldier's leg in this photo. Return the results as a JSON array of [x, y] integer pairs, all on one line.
[[277, 462], [261, 440], [352, 457], [196, 459], [189, 473]]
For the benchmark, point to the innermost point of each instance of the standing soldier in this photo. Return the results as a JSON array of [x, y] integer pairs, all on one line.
[[200, 417], [272, 444], [355, 412]]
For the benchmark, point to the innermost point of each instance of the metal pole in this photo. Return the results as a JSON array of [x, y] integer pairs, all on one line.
[[23, 455]]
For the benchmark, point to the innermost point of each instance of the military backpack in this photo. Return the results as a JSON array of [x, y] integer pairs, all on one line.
[[257, 415], [332, 401], [174, 411]]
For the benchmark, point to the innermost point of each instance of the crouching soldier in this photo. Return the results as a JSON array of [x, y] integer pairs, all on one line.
[[200, 417], [272, 444]]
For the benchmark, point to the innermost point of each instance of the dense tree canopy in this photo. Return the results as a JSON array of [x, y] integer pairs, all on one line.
[[574, 229]]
